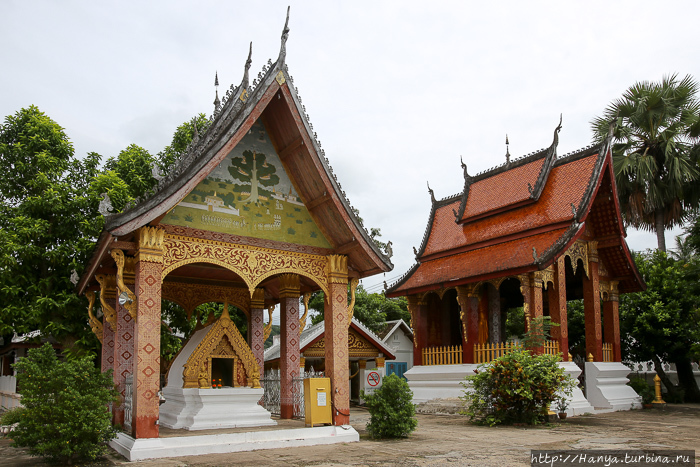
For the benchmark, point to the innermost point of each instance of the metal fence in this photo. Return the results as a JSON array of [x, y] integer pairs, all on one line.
[[272, 386], [128, 402]]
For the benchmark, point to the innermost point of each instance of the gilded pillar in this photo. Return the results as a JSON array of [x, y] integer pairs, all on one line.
[[256, 331], [591, 305], [418, 324], [108, 294], [146, 364], [556, 293], [526, 292], [468, 298], [611, 320], [494, 303], [536, 306], [289, 341], [124, 334], [336, 337]]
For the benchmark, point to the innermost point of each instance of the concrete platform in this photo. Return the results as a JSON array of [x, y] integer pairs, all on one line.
[[175, 446]]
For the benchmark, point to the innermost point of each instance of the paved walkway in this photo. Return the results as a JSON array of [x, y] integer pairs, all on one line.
[[449, 439]]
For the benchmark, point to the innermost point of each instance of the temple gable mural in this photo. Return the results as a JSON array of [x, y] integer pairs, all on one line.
[[249, 194]]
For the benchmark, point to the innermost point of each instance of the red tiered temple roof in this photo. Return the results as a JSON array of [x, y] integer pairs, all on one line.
[[519, 218]]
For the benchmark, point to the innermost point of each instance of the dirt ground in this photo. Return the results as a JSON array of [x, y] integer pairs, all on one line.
[[449, 439]]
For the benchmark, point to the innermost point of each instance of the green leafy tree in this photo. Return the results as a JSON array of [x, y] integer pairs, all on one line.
[[655, 136], [181, 139], [392, 413], [48, 225], [65, 416], [662, 323], [518, 387], [253, 168], [134, 165], [372, 310]]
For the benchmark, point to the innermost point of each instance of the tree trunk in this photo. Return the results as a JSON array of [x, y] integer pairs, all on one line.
[[670, 388], [687, 381], [660, 232]]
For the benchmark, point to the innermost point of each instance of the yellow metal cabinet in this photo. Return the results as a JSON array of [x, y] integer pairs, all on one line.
[[317, 401]]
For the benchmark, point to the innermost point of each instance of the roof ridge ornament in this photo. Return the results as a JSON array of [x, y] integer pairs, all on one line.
[[555, 143], [464, 168], [217, 102], [507, 152], [283, 45], [432, 193], [248, 62]]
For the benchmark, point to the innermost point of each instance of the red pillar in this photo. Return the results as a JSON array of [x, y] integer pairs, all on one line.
[[336, 337], [146, 364], [591, 306], [469, 304], [557, 307], [289, 341], [108, 296], [107, 362], [611, 318], [417, 308], [256, 328], [123, 357]]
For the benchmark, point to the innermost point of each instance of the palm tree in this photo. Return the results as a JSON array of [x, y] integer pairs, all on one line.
[[655, 142]]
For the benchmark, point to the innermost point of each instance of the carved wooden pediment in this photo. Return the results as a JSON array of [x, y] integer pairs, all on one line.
[[358, 347], [222, 340]]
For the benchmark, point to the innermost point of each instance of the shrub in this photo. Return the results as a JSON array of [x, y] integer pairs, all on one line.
[[392, 413], [515, 388], [11, 416], [66, 416]]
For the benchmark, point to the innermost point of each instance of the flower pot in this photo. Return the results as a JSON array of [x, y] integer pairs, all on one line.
[[562, 415]]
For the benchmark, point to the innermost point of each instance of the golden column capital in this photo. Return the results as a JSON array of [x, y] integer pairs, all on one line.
[[302, 362], [258, 300], [151, 245], [593, 251], [363, 364], [337, 269], [289, 286], [379, 361]]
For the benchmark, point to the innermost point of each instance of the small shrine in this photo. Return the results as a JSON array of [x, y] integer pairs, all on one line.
[[532, 233], [251, 216]]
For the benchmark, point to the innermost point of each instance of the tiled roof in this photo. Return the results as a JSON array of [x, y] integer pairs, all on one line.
[[503, 224], [553, 207], [504, 189], [504, 256]]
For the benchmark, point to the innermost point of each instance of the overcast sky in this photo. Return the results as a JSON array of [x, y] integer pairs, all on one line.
[[397, 91]]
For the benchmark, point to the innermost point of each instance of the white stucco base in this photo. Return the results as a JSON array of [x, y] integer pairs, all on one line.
[[438, 381], [606, 387], [151, 448], [206, 409], [578, 404]]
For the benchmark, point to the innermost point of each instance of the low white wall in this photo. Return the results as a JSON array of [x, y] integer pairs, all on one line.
[[646, 370], [8, 396], [438, 381]]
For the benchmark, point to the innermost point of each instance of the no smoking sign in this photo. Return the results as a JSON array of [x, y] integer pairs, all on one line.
[[373, 378]]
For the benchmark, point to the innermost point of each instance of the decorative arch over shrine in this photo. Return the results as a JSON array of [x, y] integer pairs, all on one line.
[[223, 327], [252, 264], [190, 296]]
